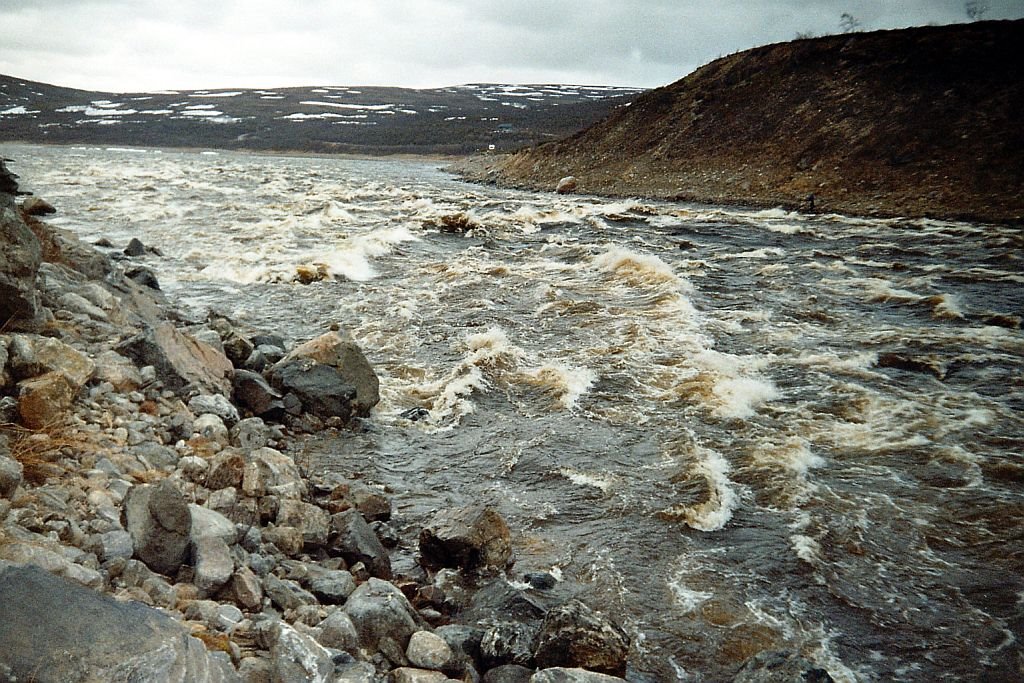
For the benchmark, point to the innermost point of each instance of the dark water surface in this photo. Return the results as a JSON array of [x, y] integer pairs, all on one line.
[[733, 430]]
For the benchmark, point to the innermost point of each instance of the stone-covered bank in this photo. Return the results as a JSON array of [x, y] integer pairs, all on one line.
[[155, 525]]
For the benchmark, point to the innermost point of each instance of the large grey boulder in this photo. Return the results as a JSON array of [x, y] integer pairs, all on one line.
[[297, 657], [160, 523], [573, 635], [339, 351], [20, 256], [355, 541], [320, 388], [473, 537], [380, 611], [54, 630], [179, 360]]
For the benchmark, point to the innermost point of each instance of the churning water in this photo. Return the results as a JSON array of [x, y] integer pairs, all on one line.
[[732, 430]]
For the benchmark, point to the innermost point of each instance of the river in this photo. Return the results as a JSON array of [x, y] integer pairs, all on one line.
[[732, 430]]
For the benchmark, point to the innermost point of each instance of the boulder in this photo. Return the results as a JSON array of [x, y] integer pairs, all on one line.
[[285, 593], [320, 388], [36, 206], [287, 539], [379, 610], [256, 394], [53, 630], [428, 651], [508, 642], [297, 657], [178, 359], [160, 522], [214, 404], [20, 256], [226, 469], [250, 434], [32, 356], [332, 586], [207, 523], [309, 519], [355, 541], [338, 632], [119, 371], [135, 248], [47, 555], [213, 565], [407, 674], [564, 675], [567, 185], [11, 473], [473, 537], [212, 428], [268, 471], [237, 348], [573, 635], [246, 589], [141, 275], [45, 400], [339, 351]]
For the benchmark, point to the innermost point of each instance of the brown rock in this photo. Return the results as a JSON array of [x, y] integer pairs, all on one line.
[[179, 359], [473, 537], [45, 399]]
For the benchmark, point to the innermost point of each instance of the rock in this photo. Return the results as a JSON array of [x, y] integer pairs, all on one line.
[[562, 675], [356, 672], [508, 643], [20, 256], [120, 372], [508, 673], [567, 185], [48, 556], [11, 474], [250, 434], [193, 468], [408, 675], [32, 356], [254, 393], [214, 404], [178, 359], [53, 630], [338, 632], [463, 640], [227, 469], [332, 586], [36, 206], [135, 248], [211, 558], [575, 636], [340, 352], [354, 540], [297, 657], [780, 667], [44, 400], [247, 589], [237, 348], [207, 523], [159, 521], [313, 522], [320, 388], [540, 580], [270, 471], [212, 428], [76, 303], [285, 593], [379, 610], [428, 651], [114, 544], [471, 538], [287, 539], [143, 276]]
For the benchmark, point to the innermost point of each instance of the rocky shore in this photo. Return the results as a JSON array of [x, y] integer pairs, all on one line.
[[156, 524]]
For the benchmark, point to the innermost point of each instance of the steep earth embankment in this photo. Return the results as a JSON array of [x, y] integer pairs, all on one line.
[[914, 122]]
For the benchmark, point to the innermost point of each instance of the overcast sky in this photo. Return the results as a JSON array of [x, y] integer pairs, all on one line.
[[136, 45]]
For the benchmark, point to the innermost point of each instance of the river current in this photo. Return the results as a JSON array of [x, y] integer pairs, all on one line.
[[732, 430]]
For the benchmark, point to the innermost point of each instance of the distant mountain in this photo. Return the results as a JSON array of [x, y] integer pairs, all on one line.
[[915, 122], [374, 120]]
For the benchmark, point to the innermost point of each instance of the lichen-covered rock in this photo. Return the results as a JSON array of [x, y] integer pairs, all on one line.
[[472, 537], [297, 657], [337, 631], [428, 651], [571, 675]]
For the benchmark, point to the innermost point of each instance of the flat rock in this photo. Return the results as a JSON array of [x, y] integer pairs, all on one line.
[[55, 631], [179, 360]]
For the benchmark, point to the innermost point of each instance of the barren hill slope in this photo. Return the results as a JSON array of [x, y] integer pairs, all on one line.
[[917, 122]]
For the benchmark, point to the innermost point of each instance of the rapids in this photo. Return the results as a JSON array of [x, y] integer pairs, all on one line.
[[732, 430]]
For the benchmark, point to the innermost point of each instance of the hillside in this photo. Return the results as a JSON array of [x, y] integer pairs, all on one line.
[[371, 120], [914, 122]]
